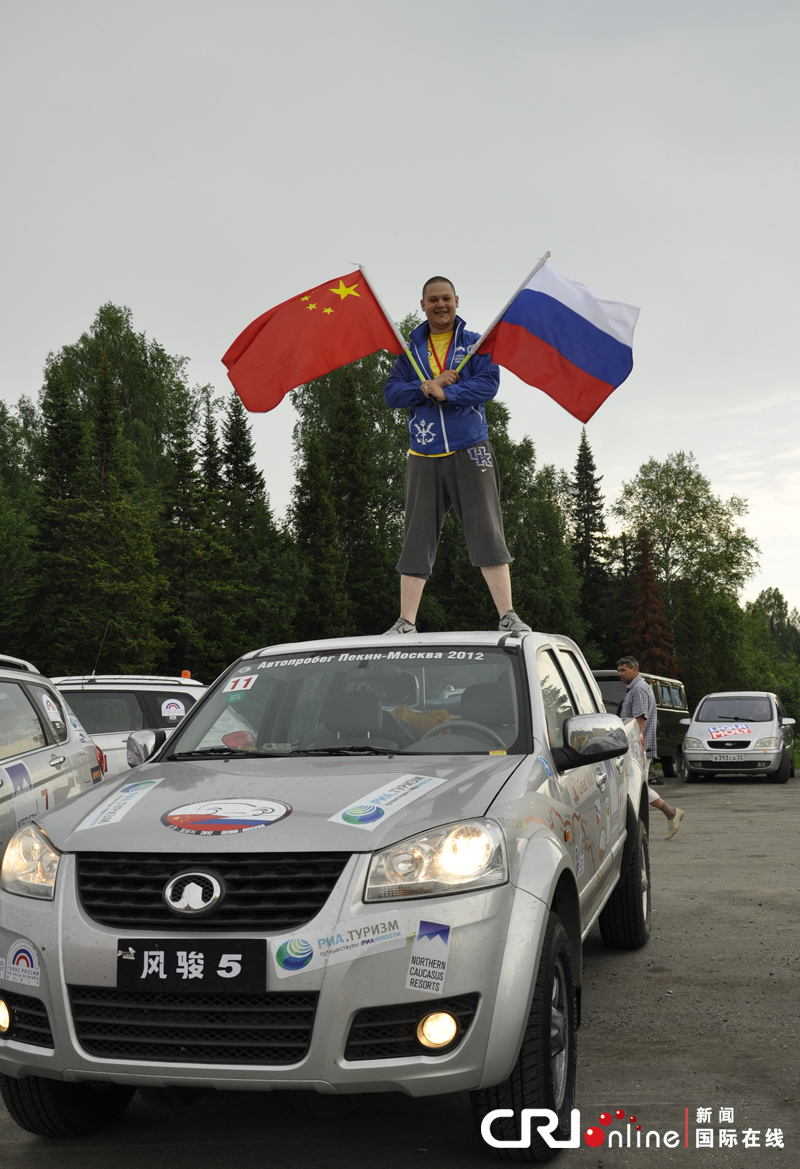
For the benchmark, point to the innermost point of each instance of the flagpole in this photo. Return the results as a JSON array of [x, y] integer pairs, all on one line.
[[404, 344], [474, 348]]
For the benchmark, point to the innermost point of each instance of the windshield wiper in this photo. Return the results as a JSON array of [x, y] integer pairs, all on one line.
[[225, 753], [355, 750]]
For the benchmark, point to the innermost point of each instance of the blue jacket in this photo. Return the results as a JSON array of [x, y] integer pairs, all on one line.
[[436, 428]]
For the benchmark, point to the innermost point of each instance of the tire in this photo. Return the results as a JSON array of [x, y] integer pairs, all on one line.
[[544, 1074], [668, 765], [52, 1108], [686, 775], [781, 774], [625, 920]]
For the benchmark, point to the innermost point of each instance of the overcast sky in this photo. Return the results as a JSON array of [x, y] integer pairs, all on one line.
[[200, 162]]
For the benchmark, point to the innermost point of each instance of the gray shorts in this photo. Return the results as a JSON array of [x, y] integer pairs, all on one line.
[[469, 482]]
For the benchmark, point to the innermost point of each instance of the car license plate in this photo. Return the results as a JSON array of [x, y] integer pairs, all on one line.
[[728, 758], [192, 965]]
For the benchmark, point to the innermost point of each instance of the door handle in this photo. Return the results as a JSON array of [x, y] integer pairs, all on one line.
[[600, 777], [57, 760]]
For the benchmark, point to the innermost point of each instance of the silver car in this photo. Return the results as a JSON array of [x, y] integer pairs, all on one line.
[[359, 865], [45, 754], [743, 732], [110, 706]]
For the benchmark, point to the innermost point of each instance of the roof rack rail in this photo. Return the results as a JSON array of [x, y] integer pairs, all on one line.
[[9, 663]]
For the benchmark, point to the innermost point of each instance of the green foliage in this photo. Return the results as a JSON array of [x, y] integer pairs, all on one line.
[[650, 639], [589, 546], [694, 533]]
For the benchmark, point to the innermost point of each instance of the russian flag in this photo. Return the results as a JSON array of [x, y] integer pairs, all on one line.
[[558, 336]]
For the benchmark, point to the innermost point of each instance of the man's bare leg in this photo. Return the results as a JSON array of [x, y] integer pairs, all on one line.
[[498, 578], [410, 596]]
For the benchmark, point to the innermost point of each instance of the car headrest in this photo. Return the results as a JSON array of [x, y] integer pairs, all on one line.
[[354, 712], [489, 703]]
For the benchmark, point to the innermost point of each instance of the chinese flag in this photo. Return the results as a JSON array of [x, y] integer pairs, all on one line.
[[306, 337]]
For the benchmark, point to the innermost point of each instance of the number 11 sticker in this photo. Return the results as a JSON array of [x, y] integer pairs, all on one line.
[[245, 683]]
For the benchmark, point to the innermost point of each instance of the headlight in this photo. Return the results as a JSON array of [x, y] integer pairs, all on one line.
[[692, 744], [470, 855], [770, 744], [30, 864]]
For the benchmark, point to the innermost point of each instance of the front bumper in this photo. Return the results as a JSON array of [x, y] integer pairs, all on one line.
[[495, 941], [751, 760]]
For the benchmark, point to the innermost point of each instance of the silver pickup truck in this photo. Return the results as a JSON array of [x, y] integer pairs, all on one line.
[[359, 865]]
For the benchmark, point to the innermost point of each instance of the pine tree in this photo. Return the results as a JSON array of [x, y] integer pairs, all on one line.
[[589, 542], [650, 638], [325, 610], [192, 558], [262, 567], [93, 580], [143, 376]]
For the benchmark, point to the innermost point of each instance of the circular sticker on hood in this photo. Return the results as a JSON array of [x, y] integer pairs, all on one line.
[[225, 817]]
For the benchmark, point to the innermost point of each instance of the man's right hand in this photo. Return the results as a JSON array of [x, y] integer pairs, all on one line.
[[435, 387]]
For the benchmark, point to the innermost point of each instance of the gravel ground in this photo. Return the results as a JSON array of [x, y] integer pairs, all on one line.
[[705, 1016]]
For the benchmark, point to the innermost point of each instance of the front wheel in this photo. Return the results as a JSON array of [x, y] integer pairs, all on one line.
[[625, 920], [52, 1108], [686, 775], [544, 1074], [781, 775]]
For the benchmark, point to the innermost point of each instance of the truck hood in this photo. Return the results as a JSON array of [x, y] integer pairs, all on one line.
[[279, 805]]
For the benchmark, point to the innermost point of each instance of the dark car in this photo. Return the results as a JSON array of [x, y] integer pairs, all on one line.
[[671, 707]]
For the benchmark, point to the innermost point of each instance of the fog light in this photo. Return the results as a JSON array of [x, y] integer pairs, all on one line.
[[5, 1018], [437, 1030]]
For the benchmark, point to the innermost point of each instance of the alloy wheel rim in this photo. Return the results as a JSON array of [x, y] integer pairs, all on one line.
[[559, 1035]]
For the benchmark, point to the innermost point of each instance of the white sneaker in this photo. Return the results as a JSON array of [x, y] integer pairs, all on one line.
[[511, 623], [401, 626]]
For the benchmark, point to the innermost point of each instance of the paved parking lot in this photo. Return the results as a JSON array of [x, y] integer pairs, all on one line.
[[705, 1016]]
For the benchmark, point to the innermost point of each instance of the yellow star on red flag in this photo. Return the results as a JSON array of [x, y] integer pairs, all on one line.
[[344, 291]]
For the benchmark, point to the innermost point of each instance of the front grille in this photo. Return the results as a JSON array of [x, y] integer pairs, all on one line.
[[727, 765], [273, 891], [732, 745], [29, 1020], [264, 1029], [391, 1032]]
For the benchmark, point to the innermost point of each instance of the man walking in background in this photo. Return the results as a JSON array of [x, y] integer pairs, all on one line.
[[450, 459], [640, 704]]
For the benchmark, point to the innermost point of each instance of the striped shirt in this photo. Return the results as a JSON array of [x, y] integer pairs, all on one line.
[[638, 702]]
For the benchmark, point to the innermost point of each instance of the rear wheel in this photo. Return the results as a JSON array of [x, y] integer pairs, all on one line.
[[544, 1074], [52, 1108], [625, 920]]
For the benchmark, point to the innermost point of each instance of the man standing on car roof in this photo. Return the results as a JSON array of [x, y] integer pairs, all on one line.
[[450, 459], [640, 704]]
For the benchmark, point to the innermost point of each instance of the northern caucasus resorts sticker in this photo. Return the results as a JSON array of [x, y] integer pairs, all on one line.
[[371, 809], [225, 817], [172, 708], [117, 805], [427, 966]]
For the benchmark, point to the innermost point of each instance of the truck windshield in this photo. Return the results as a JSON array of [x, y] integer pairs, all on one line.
[[738, 708], [436, 700]]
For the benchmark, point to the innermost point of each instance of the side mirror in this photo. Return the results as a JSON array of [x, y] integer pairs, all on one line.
[[686, 722], [787, 722], [591, 738], [142, 744]]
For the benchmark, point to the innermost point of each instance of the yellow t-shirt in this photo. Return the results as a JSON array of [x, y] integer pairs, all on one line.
[[441, 343]]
